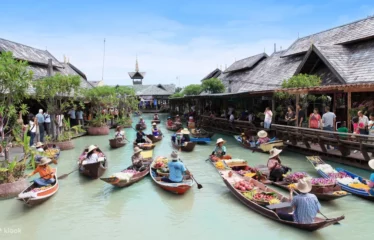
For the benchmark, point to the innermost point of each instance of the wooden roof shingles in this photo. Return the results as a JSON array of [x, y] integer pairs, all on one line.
[[348, 33], [153, 90], [214, 74], [246, 63], [30, 54]]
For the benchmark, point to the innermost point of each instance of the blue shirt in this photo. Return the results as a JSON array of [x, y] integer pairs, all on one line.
[[219, 151], [176, 169], [80, 114], [306, 207], [72, 114], [40, 118]]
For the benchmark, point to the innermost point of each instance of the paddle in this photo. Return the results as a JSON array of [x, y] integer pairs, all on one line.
[[66, 174], [199, 186]]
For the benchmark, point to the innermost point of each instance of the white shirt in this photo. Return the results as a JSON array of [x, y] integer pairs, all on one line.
[[268, 116], [120, 134], [40, 150], [364, 120], [32, 127], [93, 158], [47, 118], [59, 120], [250, 117], [371, 127], [232, 118]]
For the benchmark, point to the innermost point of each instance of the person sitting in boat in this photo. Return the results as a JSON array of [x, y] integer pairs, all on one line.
[[137, 160], [177, 119], [45, 171], [155, 130], [140, 136], [170, 122], [40, 150], [141, 121], [92, 154], [176, 170], [119, 134], [185, 136], [244, 138], [220, 150], [370, 182], [190, 118], [155, 117], [262, 137], [276, 170], [305, 205]]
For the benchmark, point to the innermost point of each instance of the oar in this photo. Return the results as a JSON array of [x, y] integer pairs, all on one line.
[[66, 174], [199, 186]]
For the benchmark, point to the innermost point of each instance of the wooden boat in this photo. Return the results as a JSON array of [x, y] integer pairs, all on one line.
[[145, 146], [115, 181], [266, 210], [186, 147], [153, 138], [140, 126], [156, 121], [93, 170], [264, 148], [116, 143], [201, 134], [177, 188], [315, 160], [174, 127], [31, 198]]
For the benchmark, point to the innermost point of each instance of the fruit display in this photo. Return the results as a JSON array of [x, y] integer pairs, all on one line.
[[41, 188], [339, 193], [295, 177], [220, 165], [160, 163], [360, 186], [326, 168], [323, 181], [243, 185], [339, 175], [250, 174], [274, 201], [52, 152], [347, 180], [261, 197]]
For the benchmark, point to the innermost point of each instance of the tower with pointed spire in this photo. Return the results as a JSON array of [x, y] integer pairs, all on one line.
[[137, 77]]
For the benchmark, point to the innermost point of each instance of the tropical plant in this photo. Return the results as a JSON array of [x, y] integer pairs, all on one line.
[[192, 89], [78, 129], [123, 121], [100, 120], [213, 85], [176, 95]]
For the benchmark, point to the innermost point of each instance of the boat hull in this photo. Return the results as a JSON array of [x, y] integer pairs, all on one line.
[[115, 143], [185, 148], [154, 139], [140, 126]]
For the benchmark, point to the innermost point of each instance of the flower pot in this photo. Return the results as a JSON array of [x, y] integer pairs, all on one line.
[[66, 145], [98, 130], [11, 190]]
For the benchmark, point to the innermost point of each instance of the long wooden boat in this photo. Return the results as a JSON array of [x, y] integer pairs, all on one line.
[[34, 195], [201, 134], [155, 139], [93, 170], [144, 146], [177, 188], [117, 182], [316, 160], [186, 147], [265, 210], [140, 126], [116, 143], [156, 121], [264, 148]]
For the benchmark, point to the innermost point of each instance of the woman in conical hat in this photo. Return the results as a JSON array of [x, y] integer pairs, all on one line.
[[220, 151], [137, 160], [262, 137], [275, 167], [45, 171]]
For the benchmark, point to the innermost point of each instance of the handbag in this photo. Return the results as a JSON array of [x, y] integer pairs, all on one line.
[[29, 131]]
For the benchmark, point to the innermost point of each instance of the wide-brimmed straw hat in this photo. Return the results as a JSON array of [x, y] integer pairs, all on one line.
[[45, 161], [154, 124], [39, 144], [262, 134], [91, 148], [177, 116], [371, 163], [220, 140], [185, 131], [137, 150], [174, 155], [304, 185], [274, 152]]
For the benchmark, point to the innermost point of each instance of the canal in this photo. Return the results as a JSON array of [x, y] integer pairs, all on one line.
[[92, 209]]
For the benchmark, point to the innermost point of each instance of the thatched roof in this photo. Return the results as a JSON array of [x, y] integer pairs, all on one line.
[[246, 63], [214, 74], [348, 33], [153, 90], [136, 75]]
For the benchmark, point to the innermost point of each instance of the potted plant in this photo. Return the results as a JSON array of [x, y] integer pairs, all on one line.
[[98, 125]]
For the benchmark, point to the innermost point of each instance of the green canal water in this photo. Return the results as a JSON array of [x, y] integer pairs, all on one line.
[[92, 209]]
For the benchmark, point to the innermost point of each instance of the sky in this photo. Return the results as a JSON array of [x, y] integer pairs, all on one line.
[[176, 42]]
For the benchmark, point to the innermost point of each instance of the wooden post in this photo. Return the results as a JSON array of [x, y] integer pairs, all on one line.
[[297, 111], [349, 105], [334, 105]]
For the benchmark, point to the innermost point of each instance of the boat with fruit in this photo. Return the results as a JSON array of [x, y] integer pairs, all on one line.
[[140, 126], [34, 194], [266, 201], [144, 146], [116, 143], [129, 176], [92, 170], [159, 169], [325, 189], [348, 181], [264, 148]]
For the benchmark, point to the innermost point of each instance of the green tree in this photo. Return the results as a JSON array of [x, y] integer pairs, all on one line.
[[15, 80], [192, 89], [178, 89], [176, 95], [213, 85], [58, 93], [297, 81]]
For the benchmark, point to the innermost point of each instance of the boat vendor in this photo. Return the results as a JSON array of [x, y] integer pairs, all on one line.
[[140, 136], [176, 170], [170, 122], [155, 117], [177, 119], [220, 150], [40, 150], [45, 171], [185, 135], [262, 137], [155, 131], [119, 134], [141, 121], [370, 182], [137, 160], [305, 205], [92, 154], [276, 170]]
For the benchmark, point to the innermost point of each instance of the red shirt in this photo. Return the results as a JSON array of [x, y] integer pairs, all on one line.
[[314, 120]]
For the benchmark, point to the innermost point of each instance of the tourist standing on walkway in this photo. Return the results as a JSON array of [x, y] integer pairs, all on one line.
[[363, 122], [40, 123], [47, 122], [328, 120], [268, 117], [290, 116], [72, 117], [80, 117], [315, 120], [371, 125], [300, 115], [250, 116], [32, 128], [60, 122]]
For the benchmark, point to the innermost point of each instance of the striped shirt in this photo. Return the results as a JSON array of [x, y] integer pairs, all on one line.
[[306, 208]]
